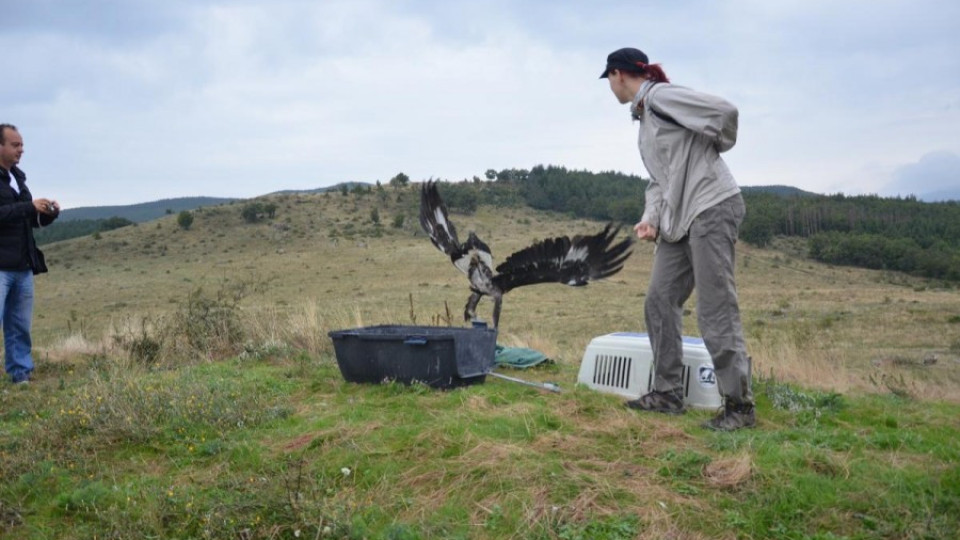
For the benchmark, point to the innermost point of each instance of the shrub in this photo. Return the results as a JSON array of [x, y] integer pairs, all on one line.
[[255, 211], [115, 222], [209, 325], [251, 212], [185, 220], [144, 344]]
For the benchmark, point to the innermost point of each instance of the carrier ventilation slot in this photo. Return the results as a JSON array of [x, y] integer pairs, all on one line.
[[610, 370]]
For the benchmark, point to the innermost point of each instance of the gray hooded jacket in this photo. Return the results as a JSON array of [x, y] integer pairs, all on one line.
[[682, 133]]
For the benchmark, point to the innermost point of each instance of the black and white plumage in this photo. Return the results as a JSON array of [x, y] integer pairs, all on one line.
[[574, 262]]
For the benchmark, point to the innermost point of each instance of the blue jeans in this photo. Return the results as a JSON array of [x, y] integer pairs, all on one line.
[[16, 297]]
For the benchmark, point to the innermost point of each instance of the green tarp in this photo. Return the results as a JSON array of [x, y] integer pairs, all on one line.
[[519, 357]]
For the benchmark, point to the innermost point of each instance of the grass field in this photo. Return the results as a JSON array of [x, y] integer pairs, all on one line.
[[186, 388]]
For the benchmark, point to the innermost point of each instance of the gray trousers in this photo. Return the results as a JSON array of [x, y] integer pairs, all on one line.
[[703, 260]]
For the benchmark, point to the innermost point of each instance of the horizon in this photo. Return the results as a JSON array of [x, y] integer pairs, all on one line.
[[336, 186]]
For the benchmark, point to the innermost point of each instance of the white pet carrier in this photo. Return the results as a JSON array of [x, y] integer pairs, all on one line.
[[622, 363]]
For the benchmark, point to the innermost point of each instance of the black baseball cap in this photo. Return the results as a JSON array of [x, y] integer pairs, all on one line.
[[625, 59]]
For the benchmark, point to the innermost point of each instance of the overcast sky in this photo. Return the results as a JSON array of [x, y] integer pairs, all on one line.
[[127, 101]]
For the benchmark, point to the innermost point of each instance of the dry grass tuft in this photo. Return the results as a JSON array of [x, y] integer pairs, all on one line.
[[729, 472], [475, 402], [572, 444], [69, 351], [786, 361], [490, 454], [428, 488], [74, 345], [666, 431]]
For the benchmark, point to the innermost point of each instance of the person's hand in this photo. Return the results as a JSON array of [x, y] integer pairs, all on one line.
[[645, 231], [46, 206]]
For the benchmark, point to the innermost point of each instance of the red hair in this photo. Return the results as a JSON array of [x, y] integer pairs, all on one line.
[[653, 72]]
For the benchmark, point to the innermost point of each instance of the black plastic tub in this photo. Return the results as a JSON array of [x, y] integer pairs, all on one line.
[[439, 356]]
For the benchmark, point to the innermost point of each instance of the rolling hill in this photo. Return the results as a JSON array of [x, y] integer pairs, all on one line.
[[186, 387], [147, 211], [141, 212]]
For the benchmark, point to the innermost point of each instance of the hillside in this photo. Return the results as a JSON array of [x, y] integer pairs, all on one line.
[[326, 248], [147, 211], [904, 235], [186, 387], [141, 212], [87, 220]]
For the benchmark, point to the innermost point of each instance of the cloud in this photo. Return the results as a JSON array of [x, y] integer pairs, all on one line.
[[230, 103], [127, 102], [936, 176]]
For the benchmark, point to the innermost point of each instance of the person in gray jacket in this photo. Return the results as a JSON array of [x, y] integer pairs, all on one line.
[[693, 211]]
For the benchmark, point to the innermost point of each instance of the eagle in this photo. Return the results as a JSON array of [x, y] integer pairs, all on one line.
[[574, 262]]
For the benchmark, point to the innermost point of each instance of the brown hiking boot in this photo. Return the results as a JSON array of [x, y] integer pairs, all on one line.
[[732, 417], [661, 402]]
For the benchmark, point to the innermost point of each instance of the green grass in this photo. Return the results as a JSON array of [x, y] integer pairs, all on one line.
[[264, 448]]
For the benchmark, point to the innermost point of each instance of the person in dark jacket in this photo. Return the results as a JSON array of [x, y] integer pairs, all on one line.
[[19, 257]]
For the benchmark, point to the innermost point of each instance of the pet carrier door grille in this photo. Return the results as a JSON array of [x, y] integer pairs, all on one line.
[[613, 371]]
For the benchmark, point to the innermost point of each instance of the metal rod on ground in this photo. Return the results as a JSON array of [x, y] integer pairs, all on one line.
[[545, 386]]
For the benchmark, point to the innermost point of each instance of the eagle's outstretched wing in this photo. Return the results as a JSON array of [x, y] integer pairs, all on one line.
[[562, 260], [436, 223]]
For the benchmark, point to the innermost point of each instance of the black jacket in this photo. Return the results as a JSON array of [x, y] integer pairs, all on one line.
[[18, 217]]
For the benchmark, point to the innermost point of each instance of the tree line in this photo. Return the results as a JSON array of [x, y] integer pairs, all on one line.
[[900, 234], [78, 227]]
